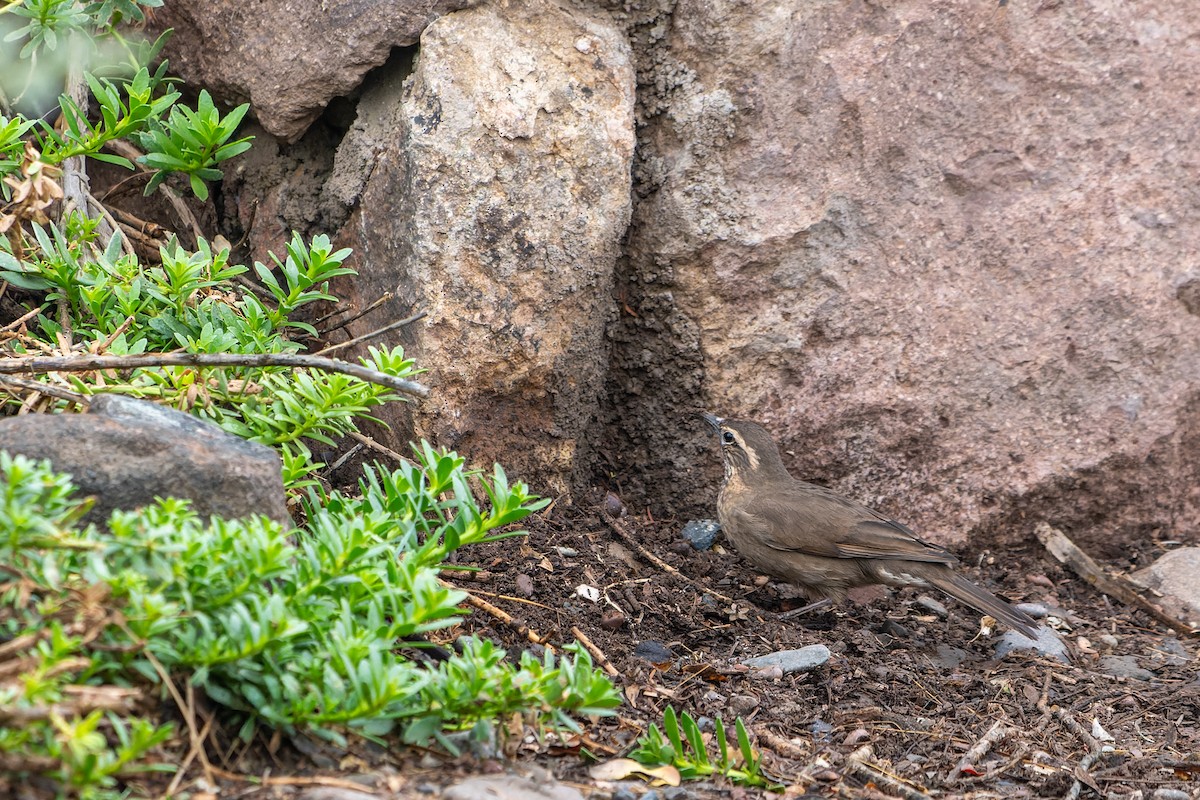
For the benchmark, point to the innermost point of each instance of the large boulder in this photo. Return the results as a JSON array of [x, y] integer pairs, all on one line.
[[491, 188], [947, 253], [288, 58]]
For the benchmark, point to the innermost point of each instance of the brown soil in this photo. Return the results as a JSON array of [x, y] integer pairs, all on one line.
[[915, 689]]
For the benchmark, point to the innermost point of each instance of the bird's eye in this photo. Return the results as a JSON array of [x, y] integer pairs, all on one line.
[[727, 437]]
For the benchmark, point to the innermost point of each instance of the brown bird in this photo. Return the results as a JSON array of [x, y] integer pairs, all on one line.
[[825, 543]]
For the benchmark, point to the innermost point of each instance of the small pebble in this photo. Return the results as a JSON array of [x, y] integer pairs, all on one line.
[[802, 660], [426, 788], [613, 505], [567, 552], [1035, 610], [932, 606], [654, 652], [1172, 653], [524, 585], [1109, 640], [705, 723], [742, 704], [676, 793], [701, 533], [1169, 794], [623, 794], [650, 795], [612, 620], [894, 629], [820, 730], [1124, 667], [1047, 644]]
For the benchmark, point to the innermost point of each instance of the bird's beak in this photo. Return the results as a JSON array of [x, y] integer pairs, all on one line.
[[713, 420]]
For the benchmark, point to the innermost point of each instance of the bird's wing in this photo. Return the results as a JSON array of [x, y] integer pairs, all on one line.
[[827, 524]]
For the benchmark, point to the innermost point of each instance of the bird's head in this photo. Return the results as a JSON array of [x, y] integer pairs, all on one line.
[[747, 450]]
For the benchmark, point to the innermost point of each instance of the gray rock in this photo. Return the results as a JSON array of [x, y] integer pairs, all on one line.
[[654, 652], [508, 787], [740, 704], [1124, 667], [1048, 643], [1171, 653], [1163, 793], [624, 794], [765, 281], [701, 533], [1176, 575], [802, 660], [821, 730], [1035, 610], [496, 199], [288, 59], [126, 452], [932, 606], [948, 657]]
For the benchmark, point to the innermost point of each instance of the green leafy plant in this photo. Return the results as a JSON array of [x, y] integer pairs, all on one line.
[[293, 630], [682, 744]]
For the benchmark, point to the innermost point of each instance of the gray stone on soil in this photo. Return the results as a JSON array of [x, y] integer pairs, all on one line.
[[932, 606], [126, 452], [654, 652], [1171, 653], [802, 660], [1047, 644], [624, 794], [508, 787], [1035, 610], [701, 533], [1124, 667], [1176, 575], [1163, 793], [676, 793], [949, 656]]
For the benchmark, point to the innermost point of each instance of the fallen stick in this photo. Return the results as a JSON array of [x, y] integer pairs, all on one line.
[[858, 763], [596, 652], [980, 749], [503, 616], [626, 537], [1114, 586], [35, 364]]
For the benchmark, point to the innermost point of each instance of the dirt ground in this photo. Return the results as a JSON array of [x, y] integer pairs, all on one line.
[[916, 689], [905, 696]]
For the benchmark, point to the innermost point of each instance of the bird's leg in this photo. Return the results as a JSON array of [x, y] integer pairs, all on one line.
[[796, 612]]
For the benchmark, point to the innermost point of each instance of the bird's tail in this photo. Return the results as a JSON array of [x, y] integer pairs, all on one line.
[[982, 601]]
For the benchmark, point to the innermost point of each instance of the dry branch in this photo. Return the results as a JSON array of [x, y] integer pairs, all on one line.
[[1115, 586], [39, 364]]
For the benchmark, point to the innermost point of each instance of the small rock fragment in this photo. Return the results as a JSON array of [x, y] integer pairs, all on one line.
[[612, 620], [567, 552], [802, 660], [932, 606], [508, 787], [1163, 793], [1124, 667], [701, 533], [524, 585], [654, 652], [1177, 576], [1047, 644], [742, 703], [1035, 610]]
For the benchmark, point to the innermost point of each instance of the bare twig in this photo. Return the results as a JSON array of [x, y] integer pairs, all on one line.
[[376, 303], [596, 652], [1114, 586], [980, 749], [127, 150], [47, 389], [377, 447], [36, 364], [620, 531], [859, 763], [16, 323], [377, 332], [504, 617]]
